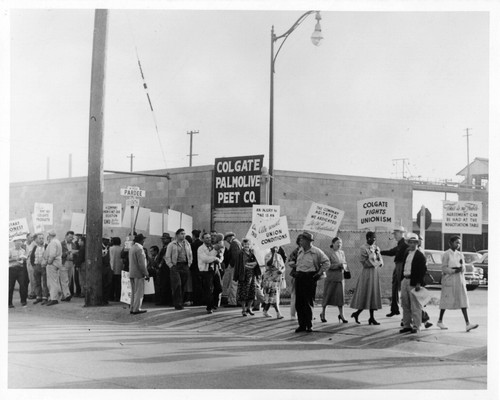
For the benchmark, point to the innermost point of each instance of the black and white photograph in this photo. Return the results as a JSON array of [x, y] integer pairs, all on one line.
[[246, 196]]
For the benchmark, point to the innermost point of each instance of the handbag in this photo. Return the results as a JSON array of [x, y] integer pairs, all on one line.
[[347, 274]]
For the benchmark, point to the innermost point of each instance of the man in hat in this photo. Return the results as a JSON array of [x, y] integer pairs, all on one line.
[[18, 271], [230, 287], [413, 272], [164, 296], [53, 259], [178, 258], [138, 272], [399, 254], [39, 270], [30, 244], [310, 265]]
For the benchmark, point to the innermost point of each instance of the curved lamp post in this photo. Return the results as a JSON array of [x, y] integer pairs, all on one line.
[[316, 40]]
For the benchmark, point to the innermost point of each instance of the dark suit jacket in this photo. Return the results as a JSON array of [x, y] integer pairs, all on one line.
[[418, 268]]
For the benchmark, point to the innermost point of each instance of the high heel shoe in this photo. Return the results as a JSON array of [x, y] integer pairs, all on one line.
[[322, 317], [372, 321], [355, 316], [342, 319], [243, 313]]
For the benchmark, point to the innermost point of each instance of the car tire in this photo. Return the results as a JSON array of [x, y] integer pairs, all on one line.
[[471, 287]]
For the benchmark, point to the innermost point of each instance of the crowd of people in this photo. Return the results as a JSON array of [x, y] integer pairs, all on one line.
[[211, 269]]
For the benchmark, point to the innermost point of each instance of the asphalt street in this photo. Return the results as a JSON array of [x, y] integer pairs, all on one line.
[[72, 347]]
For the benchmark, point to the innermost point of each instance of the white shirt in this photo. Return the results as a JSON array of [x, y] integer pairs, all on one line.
[[409, 260], [206, 257]]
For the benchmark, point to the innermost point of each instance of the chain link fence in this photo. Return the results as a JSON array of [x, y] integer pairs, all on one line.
[[352, 240]]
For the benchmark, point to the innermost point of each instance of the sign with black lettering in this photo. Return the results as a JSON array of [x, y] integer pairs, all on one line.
[[237, 181], [376, 212], [462, 217]]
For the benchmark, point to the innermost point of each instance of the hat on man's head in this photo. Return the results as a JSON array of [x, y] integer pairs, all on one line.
[[307, 236], [399, 229], [52, 232], [139, 237], [166, 236], [412, 237], [228, 234]]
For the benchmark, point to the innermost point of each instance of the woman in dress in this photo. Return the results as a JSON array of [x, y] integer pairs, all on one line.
[[367, 295], [333, 292], [245, 271], [453, 287], [272, 280]]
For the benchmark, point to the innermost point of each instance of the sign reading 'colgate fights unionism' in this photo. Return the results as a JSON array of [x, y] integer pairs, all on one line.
[[237, 181]]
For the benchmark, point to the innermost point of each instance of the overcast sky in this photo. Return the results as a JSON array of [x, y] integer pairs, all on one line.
[[382, 86]]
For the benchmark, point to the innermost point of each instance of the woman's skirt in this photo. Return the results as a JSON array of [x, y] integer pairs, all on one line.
[[246, 288], [333, 293], [367, 295], [271, 291]]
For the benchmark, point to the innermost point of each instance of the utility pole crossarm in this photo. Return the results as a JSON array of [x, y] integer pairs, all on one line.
[[190, 155]]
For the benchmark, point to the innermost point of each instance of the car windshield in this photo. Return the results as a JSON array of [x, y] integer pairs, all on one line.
[[484, 260], [434, 258], [471, 257]]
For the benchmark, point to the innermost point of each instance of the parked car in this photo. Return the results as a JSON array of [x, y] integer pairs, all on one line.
[[472, 273], [483, 264]]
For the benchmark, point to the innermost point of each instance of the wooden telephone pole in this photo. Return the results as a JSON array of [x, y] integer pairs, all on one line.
[[93, 250]]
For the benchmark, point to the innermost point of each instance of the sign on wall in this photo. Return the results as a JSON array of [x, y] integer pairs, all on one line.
[[18, 227], [237, 181], [462, 217], [43, 214], [323, 219], [377, 212]]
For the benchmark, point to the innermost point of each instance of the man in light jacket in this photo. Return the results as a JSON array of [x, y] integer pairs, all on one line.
[[178, 258], [138, 272], [53, 261]]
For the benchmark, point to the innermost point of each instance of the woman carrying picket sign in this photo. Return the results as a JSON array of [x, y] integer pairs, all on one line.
[[272, 281]]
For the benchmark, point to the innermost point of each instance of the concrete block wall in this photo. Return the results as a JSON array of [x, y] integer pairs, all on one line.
[[295, 191]]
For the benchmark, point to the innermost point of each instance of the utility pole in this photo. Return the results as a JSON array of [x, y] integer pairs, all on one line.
[[468, 163], [131, 156], [190, 155], [93, 253]]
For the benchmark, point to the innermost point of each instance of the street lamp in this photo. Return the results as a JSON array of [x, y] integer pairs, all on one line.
[[316, 40]]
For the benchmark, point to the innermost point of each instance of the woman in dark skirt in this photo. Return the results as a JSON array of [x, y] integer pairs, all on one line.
[[333, 293], [245, 271]]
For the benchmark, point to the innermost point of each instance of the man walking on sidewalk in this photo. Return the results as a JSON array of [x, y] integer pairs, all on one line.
[[399, 255]]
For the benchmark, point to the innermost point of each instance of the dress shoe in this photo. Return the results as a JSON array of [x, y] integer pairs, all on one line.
[[279, 316], [372, 321], [470, 327], [138, 312], [441, 325], [52, 302], [404, 330], [67, 298], [355, 316], [37, 301], [250, 312], [309, 329], [341, 318], [300, 329], [392, 314], [428, 325], [322, 317]]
